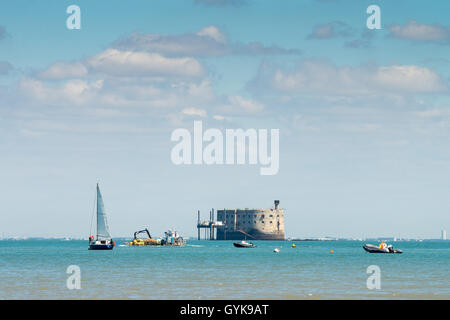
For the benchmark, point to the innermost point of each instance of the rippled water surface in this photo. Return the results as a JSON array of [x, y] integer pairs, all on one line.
[[217, 270]]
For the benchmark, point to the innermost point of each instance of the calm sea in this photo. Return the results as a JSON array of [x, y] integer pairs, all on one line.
[[217, 270]]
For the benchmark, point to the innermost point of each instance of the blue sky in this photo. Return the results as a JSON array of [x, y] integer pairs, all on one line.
[[364, 115]]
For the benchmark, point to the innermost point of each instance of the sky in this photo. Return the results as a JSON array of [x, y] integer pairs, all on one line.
[[363, 115]]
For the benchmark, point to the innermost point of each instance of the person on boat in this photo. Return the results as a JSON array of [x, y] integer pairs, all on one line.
[[383, 245]]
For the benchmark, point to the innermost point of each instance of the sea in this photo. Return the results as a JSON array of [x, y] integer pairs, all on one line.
[[61, 269]]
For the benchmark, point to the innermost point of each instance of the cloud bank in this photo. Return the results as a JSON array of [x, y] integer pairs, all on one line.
[[207, 42], [420, 32], [318, 77]]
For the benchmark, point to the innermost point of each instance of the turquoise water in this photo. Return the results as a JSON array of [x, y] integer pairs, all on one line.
[[217, 270]]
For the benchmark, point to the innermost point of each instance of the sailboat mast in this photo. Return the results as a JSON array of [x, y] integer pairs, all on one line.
[[92, 216], [96, 209]]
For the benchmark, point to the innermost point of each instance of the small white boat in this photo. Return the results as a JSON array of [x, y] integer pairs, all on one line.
[[276, 250]]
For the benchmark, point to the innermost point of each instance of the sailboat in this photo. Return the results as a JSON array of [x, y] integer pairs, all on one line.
[[103, 240]]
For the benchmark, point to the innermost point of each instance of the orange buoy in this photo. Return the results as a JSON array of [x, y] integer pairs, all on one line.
[[331, 251]]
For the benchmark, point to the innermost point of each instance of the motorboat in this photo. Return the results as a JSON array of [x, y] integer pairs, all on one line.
[[244, 244], [382, 248]]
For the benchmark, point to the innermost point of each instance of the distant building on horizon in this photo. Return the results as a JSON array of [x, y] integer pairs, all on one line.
[[443, 235], [257, 224]]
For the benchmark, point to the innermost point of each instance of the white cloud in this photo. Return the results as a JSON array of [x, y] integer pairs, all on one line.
[[194, 112], [239, 105], [64, 70], [246, 104], [127, 63], [219, 117], [416, 31], [124, 77], [212, 32], [409, 78], [117, 78], [323, 78], [209, 41], [331, 30], [115, 92], [201, 89], [74, 92], [117, 63], [339, 29]]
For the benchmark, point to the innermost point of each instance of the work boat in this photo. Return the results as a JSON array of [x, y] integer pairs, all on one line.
[[172, 238], [244, 244], [382, 248], [103, 240]]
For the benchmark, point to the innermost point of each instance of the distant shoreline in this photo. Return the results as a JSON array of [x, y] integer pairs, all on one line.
[[195, 239]]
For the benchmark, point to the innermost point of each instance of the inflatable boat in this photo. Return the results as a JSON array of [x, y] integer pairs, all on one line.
[[244, 244], [381, 249]]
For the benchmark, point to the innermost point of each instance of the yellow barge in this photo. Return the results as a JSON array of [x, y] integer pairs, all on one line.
[[171, 238]]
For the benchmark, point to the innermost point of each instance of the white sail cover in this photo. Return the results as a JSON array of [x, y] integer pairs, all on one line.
[[102, 222]]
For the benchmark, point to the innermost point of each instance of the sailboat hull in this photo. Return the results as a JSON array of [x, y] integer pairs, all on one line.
[[101, 246]]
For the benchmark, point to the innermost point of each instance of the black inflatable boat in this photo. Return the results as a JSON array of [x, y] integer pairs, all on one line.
[[244, 244]]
